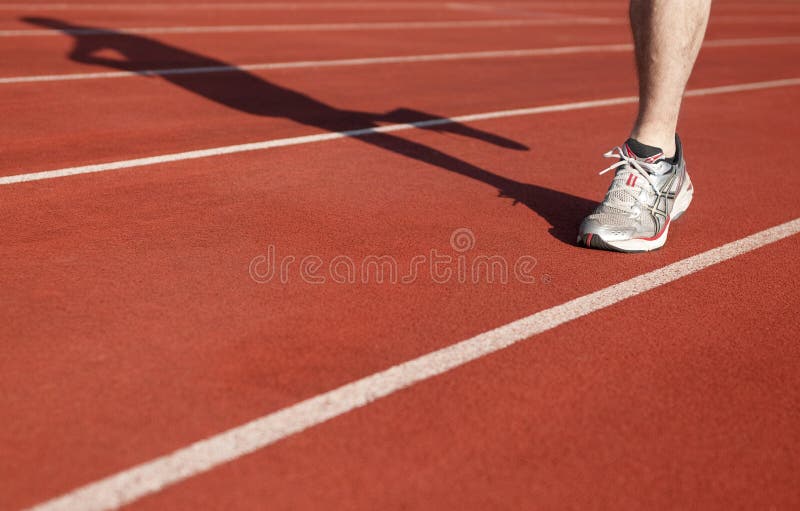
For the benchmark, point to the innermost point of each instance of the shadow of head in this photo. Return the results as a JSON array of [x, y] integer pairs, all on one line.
[[239, 89], [49, 23]]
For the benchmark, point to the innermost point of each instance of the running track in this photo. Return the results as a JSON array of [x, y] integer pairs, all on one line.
[[144, 366]]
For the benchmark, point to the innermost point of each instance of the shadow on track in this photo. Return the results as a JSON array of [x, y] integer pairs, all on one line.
[[251, 94]]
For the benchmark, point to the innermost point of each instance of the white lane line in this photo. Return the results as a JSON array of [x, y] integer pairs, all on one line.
[[399, 59], [390, 25], [293, 6], [321, 137], [316, 27], [150, 477], [232, 6], [290, 6]]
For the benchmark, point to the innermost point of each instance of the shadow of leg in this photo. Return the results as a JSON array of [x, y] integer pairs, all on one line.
[[563, 211], [251, 94], [441, 124]]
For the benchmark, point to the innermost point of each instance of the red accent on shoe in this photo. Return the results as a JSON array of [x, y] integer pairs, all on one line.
[[650, 159], [629, 151]]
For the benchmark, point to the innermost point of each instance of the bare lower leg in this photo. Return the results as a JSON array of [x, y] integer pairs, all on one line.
[[667, 35]]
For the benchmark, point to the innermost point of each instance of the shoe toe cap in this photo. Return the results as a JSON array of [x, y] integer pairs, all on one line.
[[605, 231]]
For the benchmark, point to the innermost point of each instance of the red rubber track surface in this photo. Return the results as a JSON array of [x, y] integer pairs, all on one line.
[[131, 326]]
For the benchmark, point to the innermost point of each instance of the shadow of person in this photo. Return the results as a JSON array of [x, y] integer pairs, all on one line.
[[245, 92]]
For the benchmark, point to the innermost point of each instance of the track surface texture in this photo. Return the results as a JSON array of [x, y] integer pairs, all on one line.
[[159, 159]]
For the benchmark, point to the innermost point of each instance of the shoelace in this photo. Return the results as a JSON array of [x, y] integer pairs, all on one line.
[[638, 170]]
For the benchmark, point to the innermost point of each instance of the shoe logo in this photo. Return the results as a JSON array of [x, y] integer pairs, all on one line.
[[666, 199], [631, 180]]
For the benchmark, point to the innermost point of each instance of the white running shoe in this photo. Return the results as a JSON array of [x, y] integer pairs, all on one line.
[[647, 193]]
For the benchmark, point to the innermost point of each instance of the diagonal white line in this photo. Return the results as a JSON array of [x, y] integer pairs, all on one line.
[[136, 482], [388, 25], [291, 6], [308, 139], [399, 59], [315, 27], [234, 6]]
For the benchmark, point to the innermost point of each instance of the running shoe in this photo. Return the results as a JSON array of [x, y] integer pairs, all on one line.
[[648, 192]]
